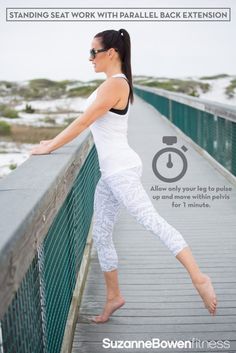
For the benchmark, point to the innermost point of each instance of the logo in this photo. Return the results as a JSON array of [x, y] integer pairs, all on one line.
[[170, 164]]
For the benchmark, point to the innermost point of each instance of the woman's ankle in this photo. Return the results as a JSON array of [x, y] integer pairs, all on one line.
[[113, 296], [199, 278]]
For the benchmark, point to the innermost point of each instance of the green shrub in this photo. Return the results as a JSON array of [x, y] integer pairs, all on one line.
[[5, 128], [82, 91], [96, 82], [44, 88], [188, 87], [205, 87], [12, 166], [49, 119], [213, 77], [194, 93], [10, 113], [40, 83], [7, 84], [229, 90], [41, 88], [2, 108], [28, 109]]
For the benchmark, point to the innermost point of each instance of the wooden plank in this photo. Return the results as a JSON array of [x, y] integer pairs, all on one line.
[[160, 305], [201, 311], [222, 297], [165, 320], [159, 327], [133, 277], [162, 292], [98, 337], [162, 278]]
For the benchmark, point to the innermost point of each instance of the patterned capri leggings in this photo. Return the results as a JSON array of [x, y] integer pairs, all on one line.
[[125, 188]]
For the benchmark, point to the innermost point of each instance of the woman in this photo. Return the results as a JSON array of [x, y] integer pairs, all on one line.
[[106, 113]]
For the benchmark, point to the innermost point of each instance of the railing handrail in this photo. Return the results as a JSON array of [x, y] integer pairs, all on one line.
[[30, 198], [226, 111]]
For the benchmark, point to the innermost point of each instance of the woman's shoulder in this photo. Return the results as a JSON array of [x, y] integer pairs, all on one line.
[[114, 84]]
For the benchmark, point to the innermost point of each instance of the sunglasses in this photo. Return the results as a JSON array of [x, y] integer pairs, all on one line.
[[93, 52]]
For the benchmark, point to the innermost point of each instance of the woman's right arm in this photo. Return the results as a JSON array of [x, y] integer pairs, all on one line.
[[45, 142]]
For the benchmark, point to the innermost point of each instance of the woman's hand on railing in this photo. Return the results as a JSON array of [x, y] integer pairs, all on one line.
[[40, 149]]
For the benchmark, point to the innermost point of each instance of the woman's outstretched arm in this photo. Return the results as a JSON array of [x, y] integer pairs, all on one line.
[[107, 97]]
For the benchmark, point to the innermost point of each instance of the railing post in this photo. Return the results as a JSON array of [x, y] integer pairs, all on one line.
[[233, 165]]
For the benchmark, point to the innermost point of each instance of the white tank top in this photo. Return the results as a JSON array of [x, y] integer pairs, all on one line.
[[110, 137]]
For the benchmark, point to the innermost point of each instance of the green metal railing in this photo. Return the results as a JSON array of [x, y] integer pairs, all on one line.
[[35, 319], [211, 125]]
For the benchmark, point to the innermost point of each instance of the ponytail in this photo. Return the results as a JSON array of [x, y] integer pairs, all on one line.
[[126, 60], [120, 40]]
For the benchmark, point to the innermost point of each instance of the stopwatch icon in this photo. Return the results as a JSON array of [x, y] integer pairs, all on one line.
[[170, 164]]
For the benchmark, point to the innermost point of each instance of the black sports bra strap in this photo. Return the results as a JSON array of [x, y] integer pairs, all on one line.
[[122, 111]]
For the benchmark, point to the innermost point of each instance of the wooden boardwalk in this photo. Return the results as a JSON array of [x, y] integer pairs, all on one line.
[[161, 302]]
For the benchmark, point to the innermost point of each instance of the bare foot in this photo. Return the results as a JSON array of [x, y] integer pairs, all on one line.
[[110, 307], [207, 293]]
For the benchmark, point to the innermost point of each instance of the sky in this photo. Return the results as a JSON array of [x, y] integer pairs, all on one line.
[[59, 50]]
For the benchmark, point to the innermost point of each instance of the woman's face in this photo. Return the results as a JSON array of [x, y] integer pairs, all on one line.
[[100, 60], [103, 59]]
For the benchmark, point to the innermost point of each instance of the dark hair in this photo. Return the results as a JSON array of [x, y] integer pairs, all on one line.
[[121, 41]]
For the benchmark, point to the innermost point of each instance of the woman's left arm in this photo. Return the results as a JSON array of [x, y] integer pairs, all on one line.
[[107, 97]]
